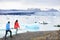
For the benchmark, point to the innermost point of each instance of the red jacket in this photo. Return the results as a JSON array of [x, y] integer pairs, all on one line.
[[16, 25]]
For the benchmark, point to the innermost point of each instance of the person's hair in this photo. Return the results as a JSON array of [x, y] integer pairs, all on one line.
[[16, 20], [8, 21]]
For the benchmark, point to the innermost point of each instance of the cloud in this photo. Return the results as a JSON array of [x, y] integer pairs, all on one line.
[[42, 2], [8, 0], [30, 4]]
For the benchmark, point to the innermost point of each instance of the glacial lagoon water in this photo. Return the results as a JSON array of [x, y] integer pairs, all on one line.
[[29, 23]]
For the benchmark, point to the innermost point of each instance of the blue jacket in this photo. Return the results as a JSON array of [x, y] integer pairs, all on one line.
[[8, 26]]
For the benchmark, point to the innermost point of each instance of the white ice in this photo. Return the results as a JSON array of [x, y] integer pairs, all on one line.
[[29, 23]]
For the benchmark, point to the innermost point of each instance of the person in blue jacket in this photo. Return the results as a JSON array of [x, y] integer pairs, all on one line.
[[8, 29]]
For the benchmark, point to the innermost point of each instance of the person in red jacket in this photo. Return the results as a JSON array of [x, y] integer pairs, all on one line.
[[16, 26]]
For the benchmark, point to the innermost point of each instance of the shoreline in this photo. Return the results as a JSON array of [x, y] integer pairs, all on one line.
[[36, 35]]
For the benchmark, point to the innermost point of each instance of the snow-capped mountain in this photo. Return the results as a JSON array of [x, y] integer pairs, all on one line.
[[49, 12]]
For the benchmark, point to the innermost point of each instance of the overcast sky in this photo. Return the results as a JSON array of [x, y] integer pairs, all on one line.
[[24, 4]]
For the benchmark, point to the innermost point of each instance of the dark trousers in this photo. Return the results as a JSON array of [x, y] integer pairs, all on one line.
[[7, 33]]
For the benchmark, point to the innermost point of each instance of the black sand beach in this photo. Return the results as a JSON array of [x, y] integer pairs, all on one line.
[[40, 35]]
